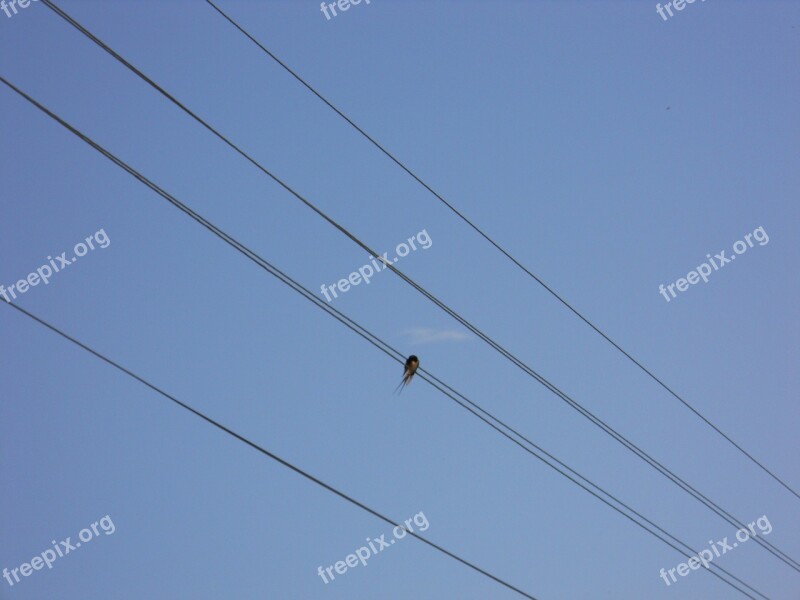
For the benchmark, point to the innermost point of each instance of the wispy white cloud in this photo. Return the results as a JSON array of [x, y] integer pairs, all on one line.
[[423, 335]]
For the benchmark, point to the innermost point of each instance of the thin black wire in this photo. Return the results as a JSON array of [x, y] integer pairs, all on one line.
[[563, 301], [598, 422], [388, 349], [269, 454]]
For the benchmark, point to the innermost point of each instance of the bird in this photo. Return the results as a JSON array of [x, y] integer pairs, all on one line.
[[412, 363]]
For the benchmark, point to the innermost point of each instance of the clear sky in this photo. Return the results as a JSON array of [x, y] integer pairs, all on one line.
[[607, 149]]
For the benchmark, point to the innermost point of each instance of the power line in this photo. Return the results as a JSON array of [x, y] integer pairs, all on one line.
[[392, 352], [502, 250], [512, 358], [269, 454]]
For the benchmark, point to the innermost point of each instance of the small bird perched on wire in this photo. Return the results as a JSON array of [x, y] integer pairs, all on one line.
[[412, 362]]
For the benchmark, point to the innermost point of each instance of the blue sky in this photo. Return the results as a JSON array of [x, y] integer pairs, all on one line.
[[608, 150]]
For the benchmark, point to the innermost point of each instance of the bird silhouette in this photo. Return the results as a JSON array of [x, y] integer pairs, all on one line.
[[412, 362]]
